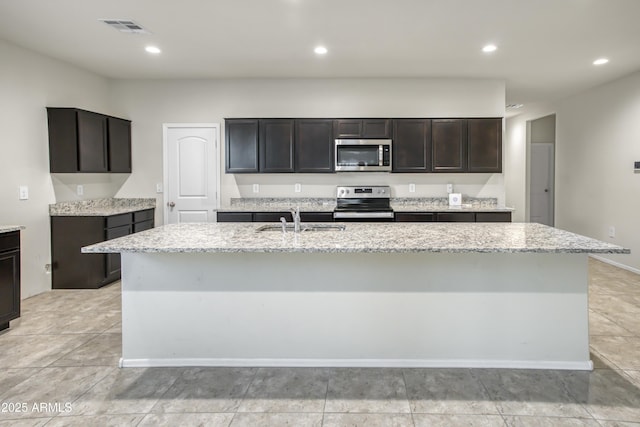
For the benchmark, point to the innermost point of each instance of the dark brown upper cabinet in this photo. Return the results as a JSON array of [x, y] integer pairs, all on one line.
[[362, 128], [314, 146], [83, 141], [412, 145], [448, 141], [484, 145], [241, 137], [276, 145]]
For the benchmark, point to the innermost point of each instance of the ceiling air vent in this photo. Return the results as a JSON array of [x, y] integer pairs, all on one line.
[[125, 26]]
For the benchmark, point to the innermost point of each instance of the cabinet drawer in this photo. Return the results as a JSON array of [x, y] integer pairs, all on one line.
[[118, 220], [456, 217], [493, 216], [415, 217], [123, 230], [271, 216], [316, 216], [234, 217], [143, 215], [142, 225], [9, 241]]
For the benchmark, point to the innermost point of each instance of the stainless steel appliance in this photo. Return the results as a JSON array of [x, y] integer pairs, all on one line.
[[363, 155], [364, 204]]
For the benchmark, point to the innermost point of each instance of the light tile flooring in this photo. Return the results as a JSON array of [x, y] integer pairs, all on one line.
[[58, 368]]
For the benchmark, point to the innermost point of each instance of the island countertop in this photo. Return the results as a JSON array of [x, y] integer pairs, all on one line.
[[359, 237]]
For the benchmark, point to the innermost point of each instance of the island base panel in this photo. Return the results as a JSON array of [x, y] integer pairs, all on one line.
[[525, 310]]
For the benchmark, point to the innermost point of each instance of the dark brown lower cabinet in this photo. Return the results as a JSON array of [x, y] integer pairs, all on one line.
[[234, 217], [71, 269], [9, 278]]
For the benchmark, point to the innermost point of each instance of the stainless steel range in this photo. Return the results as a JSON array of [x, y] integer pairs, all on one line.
[[367, 204]]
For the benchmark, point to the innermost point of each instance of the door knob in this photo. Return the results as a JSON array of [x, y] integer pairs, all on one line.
[[171, 204]]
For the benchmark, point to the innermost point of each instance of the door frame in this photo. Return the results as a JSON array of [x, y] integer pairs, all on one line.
[[165, 160], [552, 179]]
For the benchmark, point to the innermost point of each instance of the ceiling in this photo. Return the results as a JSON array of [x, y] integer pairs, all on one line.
[[545, 47]]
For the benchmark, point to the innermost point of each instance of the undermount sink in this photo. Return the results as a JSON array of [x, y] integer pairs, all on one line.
[[303, 227]]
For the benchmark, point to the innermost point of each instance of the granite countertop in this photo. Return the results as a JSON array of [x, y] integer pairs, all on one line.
[[408, 204], [100, 207], [360, 237], [10, 228]]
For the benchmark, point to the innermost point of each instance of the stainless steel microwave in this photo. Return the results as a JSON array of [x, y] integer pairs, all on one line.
[[363, 155]]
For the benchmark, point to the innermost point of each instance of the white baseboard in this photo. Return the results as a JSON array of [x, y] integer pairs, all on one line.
[[615, 264], [586, 365]]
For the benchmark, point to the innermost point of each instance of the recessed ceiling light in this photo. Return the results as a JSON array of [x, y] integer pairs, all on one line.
[[514, 106], [153, 49], [320, 50], [489, 48], [600, 61]]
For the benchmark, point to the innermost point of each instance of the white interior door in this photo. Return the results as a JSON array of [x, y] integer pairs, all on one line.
[[191, 172], [542, 178]]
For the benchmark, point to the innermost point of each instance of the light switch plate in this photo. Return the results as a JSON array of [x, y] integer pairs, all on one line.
[[256, 188], [297, 188], [412, 188], [80, 190], [449, 188], [159, 187], [24, 192]]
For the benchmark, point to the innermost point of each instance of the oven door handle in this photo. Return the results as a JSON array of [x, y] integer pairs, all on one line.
[[340, 215]]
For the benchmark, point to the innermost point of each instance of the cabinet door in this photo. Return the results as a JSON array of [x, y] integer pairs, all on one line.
[[241, 137], [456, 217], [412, 145], [415, 216], [276, 145], [314, 146], [234, 217], [484, 142], [63, 140], [9, 278], [493, 216], [119, 143], [112, 262], [72, 269], [92, 142], [376, 128], [347, 128], [448, 145]]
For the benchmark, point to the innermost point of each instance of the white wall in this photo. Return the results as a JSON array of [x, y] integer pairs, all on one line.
[[30, 82], [149, 104], [598, 140]]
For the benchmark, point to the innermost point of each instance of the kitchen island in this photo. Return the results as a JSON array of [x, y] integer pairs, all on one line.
[[432, 295]]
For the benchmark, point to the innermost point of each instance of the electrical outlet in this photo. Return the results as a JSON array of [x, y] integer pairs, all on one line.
[[23, 192], [47, 268], [297, 188], [159, 187], [612, 232], [412, 188], [256, 188], [80, 190], [449, 188]]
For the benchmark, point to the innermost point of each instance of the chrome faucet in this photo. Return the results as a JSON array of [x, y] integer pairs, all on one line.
[[295, 213], [284, 225]]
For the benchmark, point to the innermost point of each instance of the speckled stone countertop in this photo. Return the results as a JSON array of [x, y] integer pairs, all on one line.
[[399, 204], [10, 228], [360, 237], [100, 207]]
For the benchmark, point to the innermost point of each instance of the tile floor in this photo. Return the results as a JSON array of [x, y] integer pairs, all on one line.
[[58, 368]]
